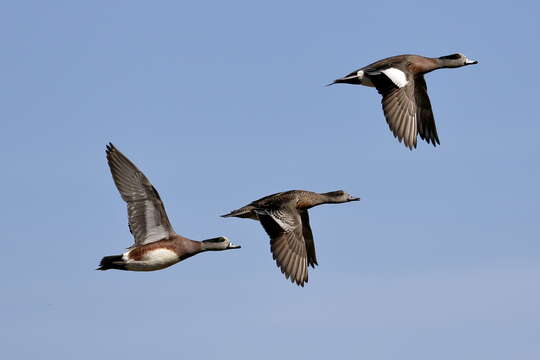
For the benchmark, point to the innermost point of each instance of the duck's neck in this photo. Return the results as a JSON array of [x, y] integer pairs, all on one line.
[[423, 65], [329, 198], [188, 247], [448, 63]]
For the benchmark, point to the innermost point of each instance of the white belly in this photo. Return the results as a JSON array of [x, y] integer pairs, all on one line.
[[153, 260]]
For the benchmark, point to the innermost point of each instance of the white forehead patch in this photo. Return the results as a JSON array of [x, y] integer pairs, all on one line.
[[397, 76]]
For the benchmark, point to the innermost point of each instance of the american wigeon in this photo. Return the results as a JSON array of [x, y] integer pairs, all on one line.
[[400, 81], [157, 245], [285, 219]]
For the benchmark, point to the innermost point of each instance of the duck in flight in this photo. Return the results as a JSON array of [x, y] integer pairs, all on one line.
[[157, 246], [284, 217], [400, 81]]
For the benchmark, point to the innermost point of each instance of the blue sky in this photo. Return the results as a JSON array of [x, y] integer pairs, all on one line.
[[221, 103]]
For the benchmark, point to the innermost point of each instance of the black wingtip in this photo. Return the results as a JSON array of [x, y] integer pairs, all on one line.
[[433, 141], [109, 147]]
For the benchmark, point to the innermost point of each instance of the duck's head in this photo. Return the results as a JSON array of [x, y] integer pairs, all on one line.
[[218, 244], [340, 196], [456, 60]]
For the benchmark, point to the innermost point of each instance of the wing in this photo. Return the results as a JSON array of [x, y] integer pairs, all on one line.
[[424, 113], [308, 239], [398, 103], [405, 104], [148, 221], [286, 242]]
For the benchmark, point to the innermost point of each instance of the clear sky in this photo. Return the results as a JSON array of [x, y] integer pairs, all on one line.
[[223, 102]]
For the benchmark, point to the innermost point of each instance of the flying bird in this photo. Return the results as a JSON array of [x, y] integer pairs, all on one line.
[[284, 216], [400, 81], [157, 246]]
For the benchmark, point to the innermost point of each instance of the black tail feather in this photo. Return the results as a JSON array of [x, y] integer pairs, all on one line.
[[112, 262]]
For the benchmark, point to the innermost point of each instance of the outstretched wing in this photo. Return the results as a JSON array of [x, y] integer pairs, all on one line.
[[286, 242], [398, 102], [308, 239], [148, 221], [424, 114], [405, 104]]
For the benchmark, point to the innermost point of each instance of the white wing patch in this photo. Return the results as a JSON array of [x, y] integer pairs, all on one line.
[[397, 76], [280, 218]]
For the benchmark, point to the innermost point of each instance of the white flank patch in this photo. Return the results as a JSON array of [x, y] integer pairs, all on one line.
[[160, 257], [397, 76], [153, 260]]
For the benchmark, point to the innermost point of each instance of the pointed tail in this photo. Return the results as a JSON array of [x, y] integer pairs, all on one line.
[[112, 262], [243, 212]]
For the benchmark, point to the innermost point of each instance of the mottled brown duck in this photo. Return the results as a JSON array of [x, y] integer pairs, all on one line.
[[284, 216]]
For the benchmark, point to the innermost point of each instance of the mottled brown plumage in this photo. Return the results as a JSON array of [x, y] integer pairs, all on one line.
[[400, 81], [284, 216]]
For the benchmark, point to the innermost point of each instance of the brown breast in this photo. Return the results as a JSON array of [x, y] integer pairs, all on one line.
[[138, 253]]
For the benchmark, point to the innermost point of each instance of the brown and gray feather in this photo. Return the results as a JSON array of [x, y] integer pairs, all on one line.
[[407, 110], [285, 219], [148, 221], [286, 243]]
